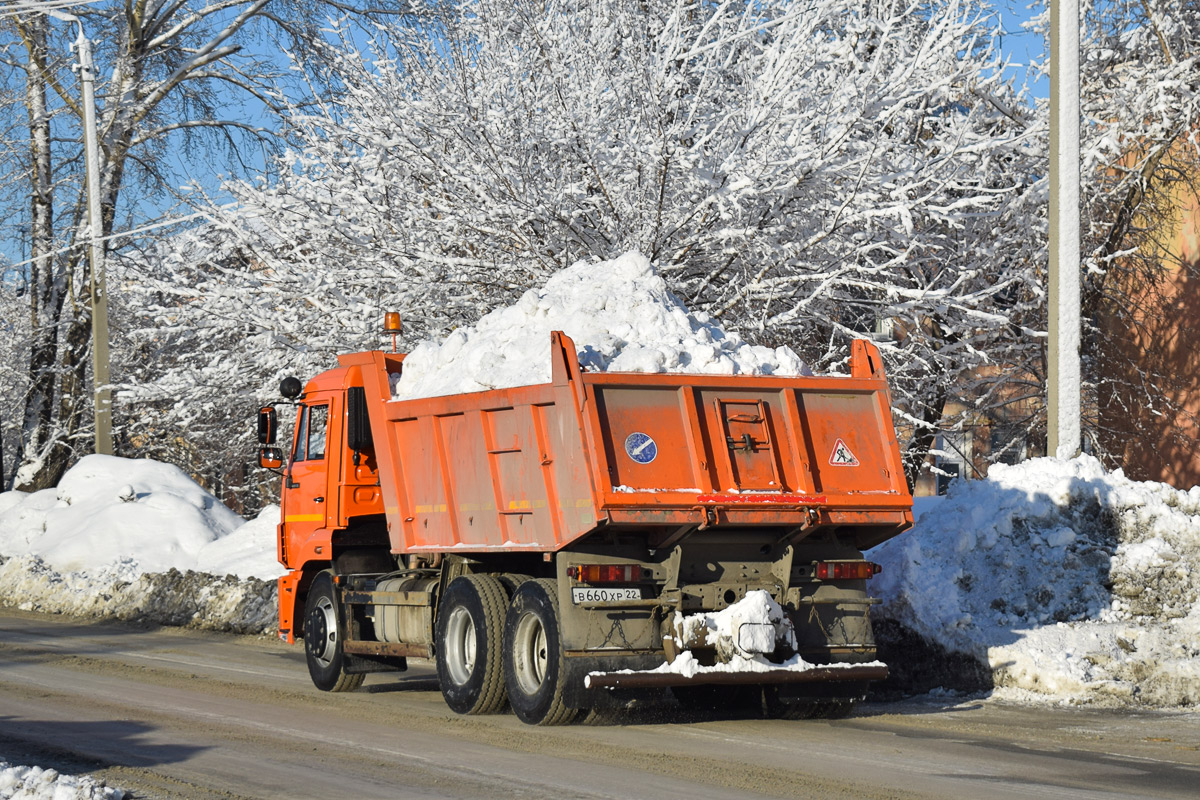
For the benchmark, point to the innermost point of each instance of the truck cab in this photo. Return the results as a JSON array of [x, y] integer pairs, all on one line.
[[332, 513]]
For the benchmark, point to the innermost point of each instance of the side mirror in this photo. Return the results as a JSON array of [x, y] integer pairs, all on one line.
[[270, 457], [267, 425]]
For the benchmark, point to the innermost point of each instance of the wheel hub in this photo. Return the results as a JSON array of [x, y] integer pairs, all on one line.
[[530, 653], [320, 635], [460, 645]]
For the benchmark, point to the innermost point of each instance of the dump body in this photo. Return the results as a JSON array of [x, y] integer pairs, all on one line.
[[552, 546], [536, 468]]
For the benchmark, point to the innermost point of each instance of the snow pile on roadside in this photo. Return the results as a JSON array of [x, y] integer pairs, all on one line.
[[1070, 584], [119, 591], [250, 551], [622, 318], [35, 783], [138, 540], [106, 510]]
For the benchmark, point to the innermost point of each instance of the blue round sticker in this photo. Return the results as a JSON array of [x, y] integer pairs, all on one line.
[[640, 447]]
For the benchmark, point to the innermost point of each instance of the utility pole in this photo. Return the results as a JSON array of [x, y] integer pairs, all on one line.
[[102, 397], [100, 377], [1063, 379]]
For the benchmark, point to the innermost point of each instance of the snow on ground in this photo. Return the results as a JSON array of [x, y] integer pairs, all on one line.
[[35, 783], [1071, 585], [137, 539], [622, 318]]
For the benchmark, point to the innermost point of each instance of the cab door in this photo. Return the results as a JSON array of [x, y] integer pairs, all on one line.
[[306, 482]]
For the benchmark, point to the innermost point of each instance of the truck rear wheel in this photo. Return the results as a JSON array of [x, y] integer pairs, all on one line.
[[323, 637], [470, 628], [533, 655]]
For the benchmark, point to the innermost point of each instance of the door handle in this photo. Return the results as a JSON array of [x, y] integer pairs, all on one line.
[[318, 499]]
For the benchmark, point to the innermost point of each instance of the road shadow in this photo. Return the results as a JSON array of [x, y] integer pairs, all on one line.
[[73, 747], [751, 704], [917, 666]]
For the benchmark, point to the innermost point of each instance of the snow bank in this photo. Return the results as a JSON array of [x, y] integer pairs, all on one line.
[[622, 318], [35, 783], [138, 540], [121, 591], [1070, 584], [247, 552], [141, 513]]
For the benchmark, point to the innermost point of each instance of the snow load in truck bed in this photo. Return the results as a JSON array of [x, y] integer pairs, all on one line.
[[622, 318]]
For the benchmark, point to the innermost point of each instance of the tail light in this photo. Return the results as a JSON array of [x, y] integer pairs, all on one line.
[[845, 570], [605, 573]]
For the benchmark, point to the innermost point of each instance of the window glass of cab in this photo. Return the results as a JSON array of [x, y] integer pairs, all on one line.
[[301, 451], [318, 418]]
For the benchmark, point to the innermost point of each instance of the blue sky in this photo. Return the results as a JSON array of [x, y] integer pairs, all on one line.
[[1020, 45]]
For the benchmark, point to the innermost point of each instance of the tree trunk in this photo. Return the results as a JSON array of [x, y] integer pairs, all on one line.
[[46, 286]]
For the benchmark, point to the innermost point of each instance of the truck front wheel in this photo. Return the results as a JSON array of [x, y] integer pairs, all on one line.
[[323, 636], [533, 655], [470, 627]]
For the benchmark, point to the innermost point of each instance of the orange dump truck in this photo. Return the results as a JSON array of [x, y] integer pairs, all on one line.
[[542, 544]]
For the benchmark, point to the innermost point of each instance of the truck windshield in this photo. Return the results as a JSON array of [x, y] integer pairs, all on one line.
[[310, 433]]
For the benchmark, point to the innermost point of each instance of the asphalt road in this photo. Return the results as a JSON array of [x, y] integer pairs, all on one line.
[[169, 713]]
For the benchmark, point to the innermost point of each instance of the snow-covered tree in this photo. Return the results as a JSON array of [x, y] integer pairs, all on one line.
[[1140, 81], [162, 64], [14, 355], [805, 172], [178, 85]]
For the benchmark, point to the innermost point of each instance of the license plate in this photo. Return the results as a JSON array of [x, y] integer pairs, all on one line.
[[588, 594]]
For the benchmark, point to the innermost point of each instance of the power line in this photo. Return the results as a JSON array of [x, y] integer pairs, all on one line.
[[133, 232], [12, 9]]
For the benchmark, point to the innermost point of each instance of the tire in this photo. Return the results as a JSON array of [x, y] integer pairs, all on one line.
[[470, 626], [512, 582], [533, 655], [323, 637]]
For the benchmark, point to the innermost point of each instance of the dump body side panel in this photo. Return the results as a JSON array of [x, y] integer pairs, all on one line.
[[501, 469], [498, 470]]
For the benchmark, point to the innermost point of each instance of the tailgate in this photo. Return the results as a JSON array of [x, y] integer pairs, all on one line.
[[749, 449]]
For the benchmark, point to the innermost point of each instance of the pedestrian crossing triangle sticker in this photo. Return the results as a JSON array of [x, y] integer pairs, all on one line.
[[841, 456]]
